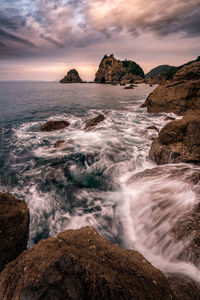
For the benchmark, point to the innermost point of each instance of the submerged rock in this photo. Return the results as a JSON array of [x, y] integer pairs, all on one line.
[[54, 125], [130, 87], [94, 121], [80, 264], [59, 143], [178, 141], [14, 228], [113, 70], [179, 95], [71, 77]]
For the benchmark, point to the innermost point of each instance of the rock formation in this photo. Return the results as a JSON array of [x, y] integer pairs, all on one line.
[[80, 264], [71, 77], [178, 141], [158, 75], [14, 228], [54, 125], [112, 70], [94, 121], [179, 95]]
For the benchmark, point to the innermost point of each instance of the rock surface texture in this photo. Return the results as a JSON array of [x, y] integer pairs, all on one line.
[[179, 95], [71, 77], [14, 228], [178, 141], [79, 264], [112, 70], [54, 125]]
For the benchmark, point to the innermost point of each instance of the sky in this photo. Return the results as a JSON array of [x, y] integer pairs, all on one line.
[[43, 39]]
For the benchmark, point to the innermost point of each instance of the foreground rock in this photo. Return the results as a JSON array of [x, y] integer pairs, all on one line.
[[179, 95], [184, 289], [79, 264], [178, 141], [94, 122], [71, 77], [54, 125], [14, 228], [112, 70]]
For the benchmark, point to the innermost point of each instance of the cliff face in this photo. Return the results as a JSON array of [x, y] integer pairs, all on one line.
[[113, 70], [71, 77]]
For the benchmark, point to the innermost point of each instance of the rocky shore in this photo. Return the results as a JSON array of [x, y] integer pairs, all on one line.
[[80, 264]]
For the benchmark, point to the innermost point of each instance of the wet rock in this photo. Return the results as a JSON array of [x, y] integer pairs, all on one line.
[[168, 118], [184, 289], [94, 122], [14, 228], [152, 128], [59, 143], [54, 125], [80, 264], [71, 77], [130, 87], [178, 141]]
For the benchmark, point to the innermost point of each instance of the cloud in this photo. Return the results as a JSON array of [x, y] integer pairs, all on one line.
[[160, 17], [46, 28]]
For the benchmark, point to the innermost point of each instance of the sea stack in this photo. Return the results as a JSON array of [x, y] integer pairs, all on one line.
[[71, 77], [112, 70]]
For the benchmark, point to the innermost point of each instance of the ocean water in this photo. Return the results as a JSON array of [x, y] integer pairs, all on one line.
[[86, 182]]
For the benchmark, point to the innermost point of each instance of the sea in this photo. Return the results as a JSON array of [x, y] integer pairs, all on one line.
[[95, 178]]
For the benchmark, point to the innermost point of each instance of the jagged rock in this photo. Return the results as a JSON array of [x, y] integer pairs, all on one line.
[[113, 70], [178, 141], [14, 228], [80, 264], [71, 77], [54, 125], [59, 143], [184, 289], [94, 121]]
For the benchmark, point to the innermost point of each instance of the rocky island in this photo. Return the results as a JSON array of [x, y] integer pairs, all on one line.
[[112, 70], [71, 77]]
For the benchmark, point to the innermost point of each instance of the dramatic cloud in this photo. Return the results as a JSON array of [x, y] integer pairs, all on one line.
[[71, 30], [162, 17]]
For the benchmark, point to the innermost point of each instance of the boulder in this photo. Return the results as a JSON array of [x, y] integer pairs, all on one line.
[[54, 125], [178, 141], [94, 121], [113, 70], [14, 228], [80, 264], [71, 77], [176, 97]]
